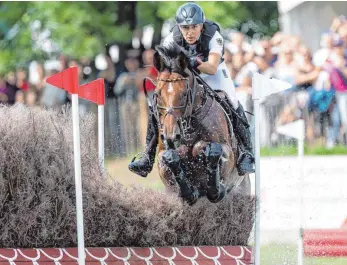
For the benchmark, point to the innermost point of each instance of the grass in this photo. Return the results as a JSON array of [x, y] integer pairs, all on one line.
[[287, 255], [288, 150]]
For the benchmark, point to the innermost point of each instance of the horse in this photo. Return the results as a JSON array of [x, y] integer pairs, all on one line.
[[197, 148]]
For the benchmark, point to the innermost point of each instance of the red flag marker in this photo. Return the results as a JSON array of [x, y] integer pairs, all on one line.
[[93, 91], [67, 80]]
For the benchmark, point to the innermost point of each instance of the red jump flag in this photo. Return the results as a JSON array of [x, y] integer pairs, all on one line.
[[67, 80], [93, 91]]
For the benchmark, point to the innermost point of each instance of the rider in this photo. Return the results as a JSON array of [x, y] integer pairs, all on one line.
[[204, 44]]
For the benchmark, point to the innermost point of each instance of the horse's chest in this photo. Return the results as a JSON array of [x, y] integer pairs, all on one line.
[[190, 138]]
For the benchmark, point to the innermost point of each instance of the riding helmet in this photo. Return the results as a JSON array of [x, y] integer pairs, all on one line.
[[190, 14]]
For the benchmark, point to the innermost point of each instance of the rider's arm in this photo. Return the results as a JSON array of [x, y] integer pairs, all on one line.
[[210, 67], [216, 46], [168, 41]]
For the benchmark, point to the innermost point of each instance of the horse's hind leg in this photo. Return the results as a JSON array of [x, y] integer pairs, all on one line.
[[216, 190], [188, 192]]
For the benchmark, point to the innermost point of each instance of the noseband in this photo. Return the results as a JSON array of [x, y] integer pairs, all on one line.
[[184, 122]]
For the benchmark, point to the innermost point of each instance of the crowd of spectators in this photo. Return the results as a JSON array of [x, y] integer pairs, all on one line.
[[318, 95], [319, 81]]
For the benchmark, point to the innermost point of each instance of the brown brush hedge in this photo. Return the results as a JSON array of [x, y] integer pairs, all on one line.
[[37, 194]]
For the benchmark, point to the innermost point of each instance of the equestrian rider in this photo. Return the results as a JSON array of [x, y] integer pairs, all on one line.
[[204, 44]]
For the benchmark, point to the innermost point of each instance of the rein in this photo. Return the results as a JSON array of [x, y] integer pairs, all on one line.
[[184, 122]]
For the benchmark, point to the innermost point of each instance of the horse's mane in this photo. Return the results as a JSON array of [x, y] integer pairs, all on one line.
[[169, 53]]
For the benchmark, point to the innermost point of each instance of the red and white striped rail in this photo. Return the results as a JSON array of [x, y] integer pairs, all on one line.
[[325, 242], [206, 255]]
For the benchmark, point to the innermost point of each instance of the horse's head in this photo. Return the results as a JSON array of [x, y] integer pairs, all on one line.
[[175, 93]]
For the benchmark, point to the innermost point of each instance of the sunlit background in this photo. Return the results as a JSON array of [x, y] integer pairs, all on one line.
[[304, 43]]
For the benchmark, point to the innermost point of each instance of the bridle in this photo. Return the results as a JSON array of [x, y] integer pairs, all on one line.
[[184, 122]]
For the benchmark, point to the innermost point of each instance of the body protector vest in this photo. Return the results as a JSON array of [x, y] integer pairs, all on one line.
[[202, 46]]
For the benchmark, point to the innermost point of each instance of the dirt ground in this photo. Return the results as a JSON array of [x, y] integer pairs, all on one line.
[[118, 169]]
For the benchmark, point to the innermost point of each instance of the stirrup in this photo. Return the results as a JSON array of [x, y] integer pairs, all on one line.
[[244, 153]]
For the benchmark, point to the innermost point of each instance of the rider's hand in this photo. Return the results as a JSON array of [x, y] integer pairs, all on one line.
[[194, 61]]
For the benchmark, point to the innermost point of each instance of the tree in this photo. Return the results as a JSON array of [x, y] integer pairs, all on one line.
[[84, 29], [255, 19], [260, 19], [77, 28]]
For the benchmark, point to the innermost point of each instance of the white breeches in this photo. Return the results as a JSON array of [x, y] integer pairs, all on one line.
[[222, 81]]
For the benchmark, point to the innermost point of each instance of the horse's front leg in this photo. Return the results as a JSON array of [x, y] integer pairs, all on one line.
[[212, 154], [172, 160]]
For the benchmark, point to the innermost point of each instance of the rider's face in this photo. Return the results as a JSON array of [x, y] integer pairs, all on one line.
[[191, 33]]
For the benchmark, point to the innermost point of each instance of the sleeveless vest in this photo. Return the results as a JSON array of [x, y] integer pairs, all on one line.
[[209, 29]]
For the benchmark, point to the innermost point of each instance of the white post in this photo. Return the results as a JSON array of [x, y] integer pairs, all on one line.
[[300, 162], [257, 179], [261, 88], [296, 130], [101, 137], [78, 179]]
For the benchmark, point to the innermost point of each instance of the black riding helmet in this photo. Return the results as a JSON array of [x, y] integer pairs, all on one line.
[[190, 14]]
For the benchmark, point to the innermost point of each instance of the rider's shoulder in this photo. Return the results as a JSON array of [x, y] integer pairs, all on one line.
[[210, 28], [212, 25]]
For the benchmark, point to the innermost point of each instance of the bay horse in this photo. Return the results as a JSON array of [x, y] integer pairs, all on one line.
[[198, 151]]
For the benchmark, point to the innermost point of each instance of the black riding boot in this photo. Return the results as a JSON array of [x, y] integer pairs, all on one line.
[[246, 160], [145, 164]]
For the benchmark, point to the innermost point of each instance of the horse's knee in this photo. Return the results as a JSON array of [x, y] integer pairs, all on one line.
[[172, 159], [213, 152]]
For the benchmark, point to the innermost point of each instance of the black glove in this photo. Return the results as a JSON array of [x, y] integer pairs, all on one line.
[[193, 61]]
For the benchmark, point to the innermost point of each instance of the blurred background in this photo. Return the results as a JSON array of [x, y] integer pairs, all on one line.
[[115, 40], [304, 43]]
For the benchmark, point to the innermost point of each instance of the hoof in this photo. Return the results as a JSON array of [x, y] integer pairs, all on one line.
[[193, 197], [218, 196]]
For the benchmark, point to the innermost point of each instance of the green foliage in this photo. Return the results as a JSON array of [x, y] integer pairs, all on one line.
[[224, 13], [84, 28], [78, 28], [260, 19]]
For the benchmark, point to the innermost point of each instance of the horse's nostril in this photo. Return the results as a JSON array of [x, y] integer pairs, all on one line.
[[162, 137], [178, 137]]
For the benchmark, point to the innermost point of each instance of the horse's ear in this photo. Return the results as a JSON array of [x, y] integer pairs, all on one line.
[[182, 61], [157, 61]]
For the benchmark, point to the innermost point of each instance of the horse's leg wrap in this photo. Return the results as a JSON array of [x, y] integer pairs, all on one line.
[[215, 190], [189, 193]]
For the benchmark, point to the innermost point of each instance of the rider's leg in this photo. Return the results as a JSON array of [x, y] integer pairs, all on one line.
[[222, 81], [145, 164], [246, 160]]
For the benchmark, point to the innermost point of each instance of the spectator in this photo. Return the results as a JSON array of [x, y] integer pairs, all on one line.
[[31, 98], [285, 67], [323, 54], [52, 97], [21, 80], [338, 77], [147, 71], [267, 52], [3, 91], [11, 88], [127, 92], [237, 63], [20, 97]]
